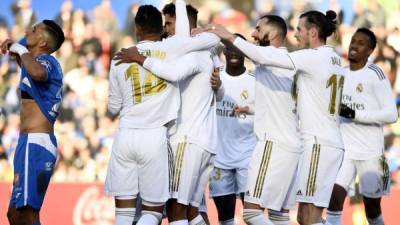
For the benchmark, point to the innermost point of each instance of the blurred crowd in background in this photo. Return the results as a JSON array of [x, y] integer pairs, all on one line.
[[85, 130]]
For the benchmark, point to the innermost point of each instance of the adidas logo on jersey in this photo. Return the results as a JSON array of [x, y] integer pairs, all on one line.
[[247, 193], [299, 193]]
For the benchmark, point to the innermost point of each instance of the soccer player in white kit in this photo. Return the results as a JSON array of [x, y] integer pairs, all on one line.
[[194, 142], [274, 162], [236, 138], [367, 104], [319, 72], [147, 104], [196, 127]]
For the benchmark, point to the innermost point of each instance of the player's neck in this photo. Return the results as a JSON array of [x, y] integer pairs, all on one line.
[[149, 37], [235, 70], [317, 43], [36, 51], [276, 43], [357, 65]]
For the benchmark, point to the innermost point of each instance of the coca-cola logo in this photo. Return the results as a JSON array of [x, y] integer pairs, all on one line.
[[94, 208]]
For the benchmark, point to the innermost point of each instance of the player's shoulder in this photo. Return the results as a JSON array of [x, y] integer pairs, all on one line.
[[376, 71], [47, 58], [48, 61], [303, 53]]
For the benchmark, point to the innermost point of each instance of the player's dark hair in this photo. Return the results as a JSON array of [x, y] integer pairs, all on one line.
[[56, 34], [149, 19], [326, 24], [169, 9], [371, 36], [278, 22]]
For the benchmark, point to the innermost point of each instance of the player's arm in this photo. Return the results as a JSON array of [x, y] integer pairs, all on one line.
[[216, 83], [114, 96], [182, 27], [248, 109], [35, 68], [174, 70], [269, 56], [203, 41], [387, 112]]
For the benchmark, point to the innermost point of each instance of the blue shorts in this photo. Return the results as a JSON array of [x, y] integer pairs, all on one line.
[[34, 160]]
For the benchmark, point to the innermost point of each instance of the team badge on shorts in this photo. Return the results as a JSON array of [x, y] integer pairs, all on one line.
[[359, 88]]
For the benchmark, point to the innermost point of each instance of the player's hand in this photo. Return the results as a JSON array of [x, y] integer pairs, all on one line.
[[215, 80], [6, 45], [129, 55], [220, 31], [198, 30], [240, 110], [347, 112]]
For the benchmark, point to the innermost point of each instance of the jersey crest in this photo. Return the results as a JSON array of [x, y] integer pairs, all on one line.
[[359, 88]]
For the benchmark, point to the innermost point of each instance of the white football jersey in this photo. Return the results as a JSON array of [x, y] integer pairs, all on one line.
[[236, 138], [320, 84], [275, 110], [196, 121], [142, 99], [131, 85], [275, 106], [368, 92], [320, 81]]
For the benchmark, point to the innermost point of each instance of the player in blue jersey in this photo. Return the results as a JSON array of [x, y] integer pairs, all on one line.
[[41, 92]]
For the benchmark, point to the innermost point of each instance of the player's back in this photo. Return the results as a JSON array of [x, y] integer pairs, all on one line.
[[145, 100], [197, 118], [320, 83]]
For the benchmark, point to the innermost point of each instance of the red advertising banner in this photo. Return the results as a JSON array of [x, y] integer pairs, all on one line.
[[86, 204]]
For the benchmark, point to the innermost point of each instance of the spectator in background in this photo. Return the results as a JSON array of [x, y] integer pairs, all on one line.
[[24, 16]]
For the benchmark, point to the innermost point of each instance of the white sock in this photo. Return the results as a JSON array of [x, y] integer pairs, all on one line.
[[334, 217], [198, 220], [279, 218], [179, 222], [124, 216], [255, 217], [149, 218], [227, 222], [318, 223], [376, 221]]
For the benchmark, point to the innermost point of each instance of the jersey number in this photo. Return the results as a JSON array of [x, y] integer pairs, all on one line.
[[152, 84], [335, 87]]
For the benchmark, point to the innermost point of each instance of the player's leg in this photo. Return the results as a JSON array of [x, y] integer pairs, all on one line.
[[253, 212], [177, 211], [279, 217], [344, 179], [189, 161], [282, 217], [125, 209], [122, 175], [203, 210], [206, 168], [318, 169], [34, 162], [222, 190], [374, 183], [153, 174]]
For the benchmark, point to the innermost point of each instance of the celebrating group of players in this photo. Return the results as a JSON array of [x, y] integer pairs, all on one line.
[[298, 128]]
